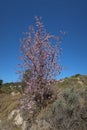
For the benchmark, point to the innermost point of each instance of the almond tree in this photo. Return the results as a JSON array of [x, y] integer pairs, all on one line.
[[40, 54]]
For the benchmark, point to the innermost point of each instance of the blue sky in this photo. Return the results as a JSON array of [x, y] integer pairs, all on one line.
[[66, 15]]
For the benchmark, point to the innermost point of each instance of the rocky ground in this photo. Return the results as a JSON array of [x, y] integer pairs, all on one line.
[[68, 111]]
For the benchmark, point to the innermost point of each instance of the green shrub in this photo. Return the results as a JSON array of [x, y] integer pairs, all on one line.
[[77, 75], [70, 96], [5, 89], [1, 81], [57, 103]]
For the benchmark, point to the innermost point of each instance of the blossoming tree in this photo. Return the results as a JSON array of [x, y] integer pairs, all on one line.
[[40, 54]]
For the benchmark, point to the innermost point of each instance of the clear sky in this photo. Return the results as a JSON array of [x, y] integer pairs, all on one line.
[[66, 15]]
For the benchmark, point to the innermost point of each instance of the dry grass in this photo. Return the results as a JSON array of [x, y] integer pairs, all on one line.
[[7, 104], [71, 93], [69, 105]]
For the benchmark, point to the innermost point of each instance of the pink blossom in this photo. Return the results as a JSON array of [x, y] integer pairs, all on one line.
[[41, 56]]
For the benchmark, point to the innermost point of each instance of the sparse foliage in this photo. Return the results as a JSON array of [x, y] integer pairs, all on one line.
[[40, 54]]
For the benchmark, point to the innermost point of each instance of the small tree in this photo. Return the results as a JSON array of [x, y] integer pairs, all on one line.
[[40, 54], [1, 81]]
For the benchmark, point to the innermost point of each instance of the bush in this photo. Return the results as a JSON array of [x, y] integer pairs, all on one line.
[[6, 89], [65, 111], [70, 96], [1, 81], [77, 75], [11, 87], [56, 104]]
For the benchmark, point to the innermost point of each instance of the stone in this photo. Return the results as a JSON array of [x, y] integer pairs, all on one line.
[[16, 116]]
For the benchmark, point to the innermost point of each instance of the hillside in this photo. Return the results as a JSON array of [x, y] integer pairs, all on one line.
[[67, 111]]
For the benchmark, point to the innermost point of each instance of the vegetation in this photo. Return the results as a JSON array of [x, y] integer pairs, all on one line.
[[66, 111], [8, 88], [8, 103], [1, 81], [40, 55]]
